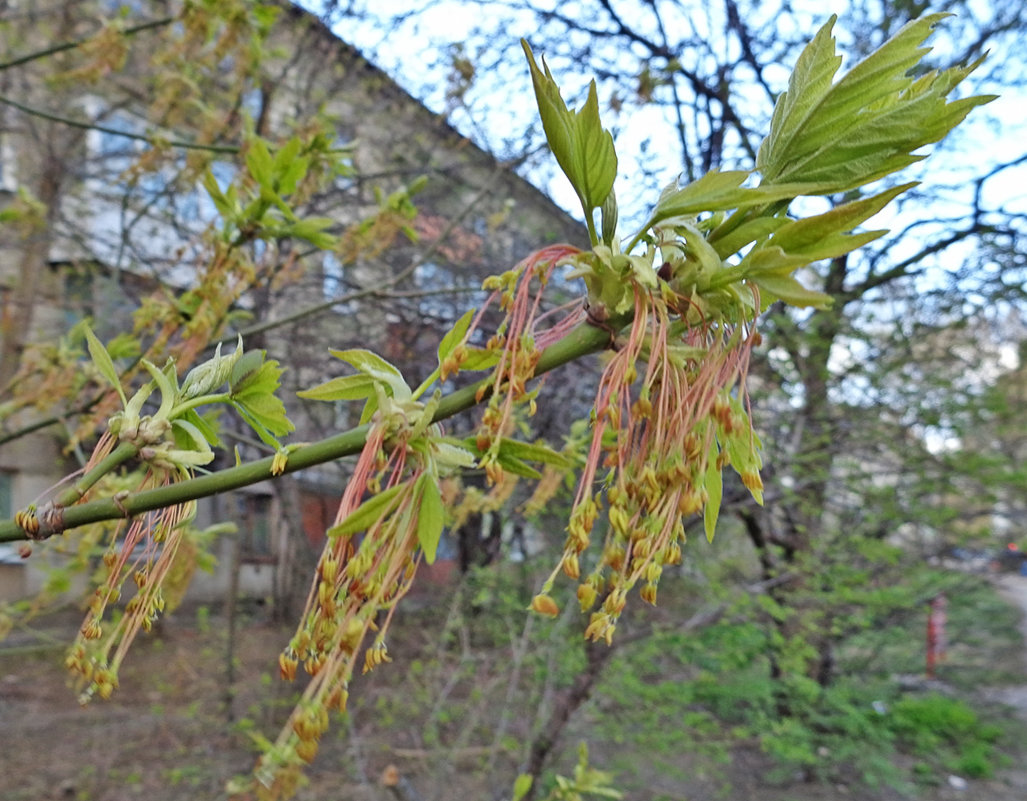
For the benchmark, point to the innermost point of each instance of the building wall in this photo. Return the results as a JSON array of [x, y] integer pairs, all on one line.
[[492, 219]]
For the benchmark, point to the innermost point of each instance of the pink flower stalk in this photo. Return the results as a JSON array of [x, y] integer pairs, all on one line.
[[656, 436], [147, 554], [355, 582], [520, 340]]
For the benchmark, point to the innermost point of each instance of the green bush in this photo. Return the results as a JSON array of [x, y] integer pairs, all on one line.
[[947, 733]]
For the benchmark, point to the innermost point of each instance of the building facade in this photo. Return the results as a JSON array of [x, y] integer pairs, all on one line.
[[108, 218]]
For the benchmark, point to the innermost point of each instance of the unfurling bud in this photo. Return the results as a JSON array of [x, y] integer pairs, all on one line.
[[278, 462]]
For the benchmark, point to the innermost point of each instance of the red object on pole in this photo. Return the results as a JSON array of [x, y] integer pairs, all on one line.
[[936, 619]]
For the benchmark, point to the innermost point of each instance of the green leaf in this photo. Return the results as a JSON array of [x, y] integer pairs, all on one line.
[[714, 490], [532, 452], [373, 365], [223, 205], [289, 166], [375, 508], [248, 364], [786, 288], [825, 236], [582, 147], [103, 362], [455, 336], [809, 82], [480, 359], [206, 424], [869, 123], [168, 393], [254, 397], [259, 162], [312, 230], [450, 454], [715, 191], [268, 410], [514, 465], [259, 379], [751, 231], [124, 346], [770, 260], [513, 456], [522, 785], [350, 387], [188, 436], [430, 516]]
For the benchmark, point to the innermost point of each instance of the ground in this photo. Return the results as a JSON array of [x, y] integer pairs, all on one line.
[[168, 734]]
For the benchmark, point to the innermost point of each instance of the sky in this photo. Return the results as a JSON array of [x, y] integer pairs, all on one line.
[[416, 56]]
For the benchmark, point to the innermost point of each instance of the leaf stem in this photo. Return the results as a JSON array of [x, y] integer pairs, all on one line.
[[202, 400]]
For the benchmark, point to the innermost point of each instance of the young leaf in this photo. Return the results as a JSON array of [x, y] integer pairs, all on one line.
[[869, 123], [714, 491], [247, 364], [189, 437], [449, 455], [454, 336], [259, 379], [206, 424], [255, 400], [350, 387], [825, 236], [480, 359], [211, 374], [430, 516], [532, 452], [103, 362], [266, 409], [168, 393], [375, 508], [225, 207], [786, 288], [258, 162], [373, 365], [582, 147], [515, 466], [715, 191]]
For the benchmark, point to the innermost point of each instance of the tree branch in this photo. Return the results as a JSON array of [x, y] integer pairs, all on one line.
[[89, 126], [582, 340], [71, 45]]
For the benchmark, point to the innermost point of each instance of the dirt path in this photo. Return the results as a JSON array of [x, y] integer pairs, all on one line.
[[1011, 784], [1014, 589]]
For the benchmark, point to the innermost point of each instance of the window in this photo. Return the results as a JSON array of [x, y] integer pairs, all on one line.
[[333, 282], [78, 294], [8, 182]]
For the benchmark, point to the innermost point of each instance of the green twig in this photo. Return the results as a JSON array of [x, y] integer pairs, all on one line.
[[582, 340], [71, 45]]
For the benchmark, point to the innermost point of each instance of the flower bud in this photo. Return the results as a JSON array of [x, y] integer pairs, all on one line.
[[544, 605]]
